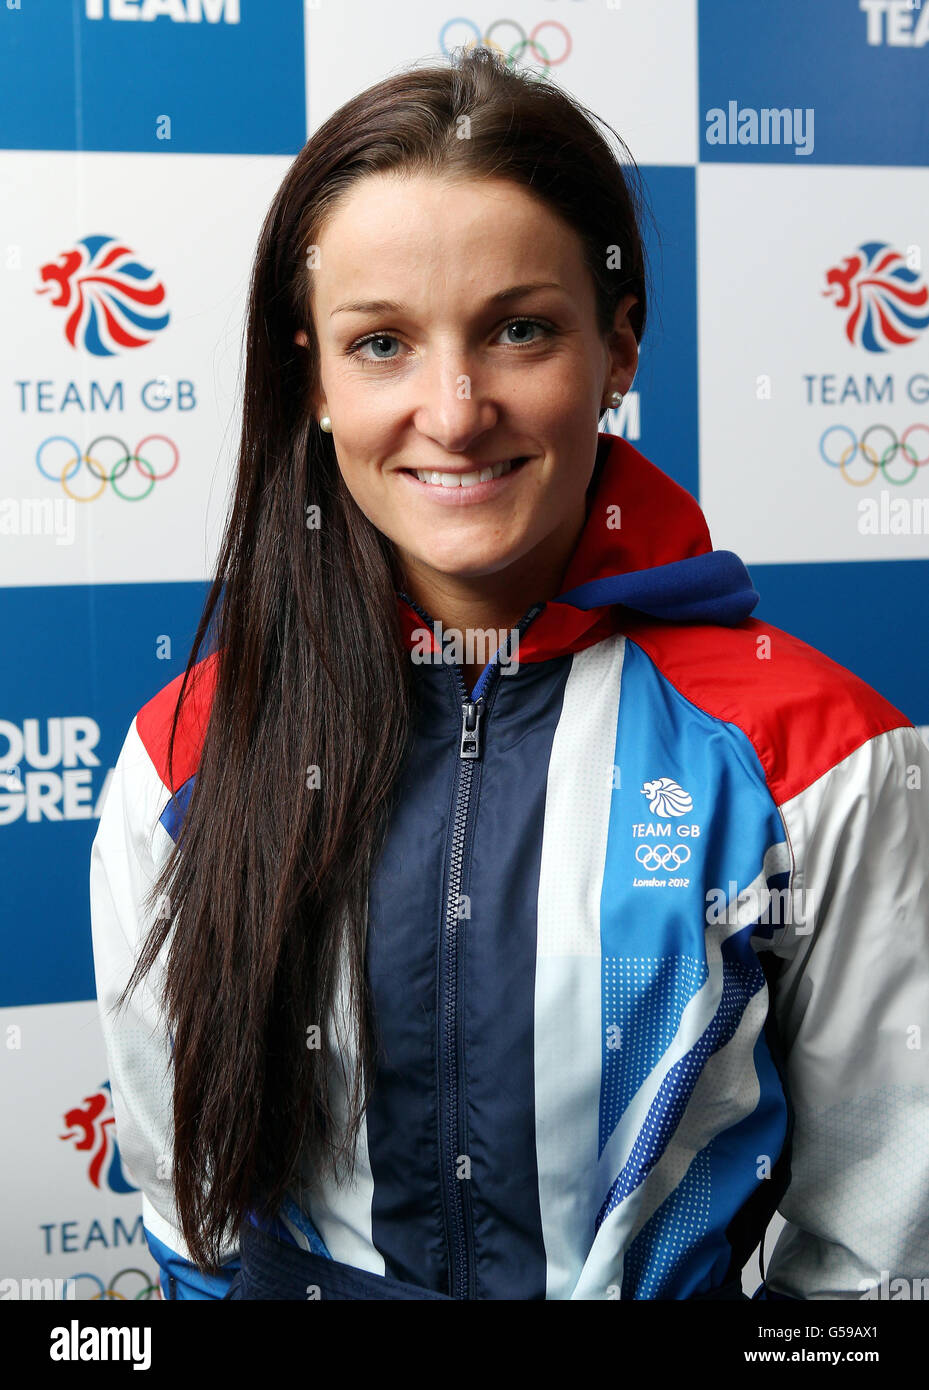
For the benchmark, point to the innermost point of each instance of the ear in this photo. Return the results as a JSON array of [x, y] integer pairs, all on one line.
[[300, 337], [622, 310], [624, 350]]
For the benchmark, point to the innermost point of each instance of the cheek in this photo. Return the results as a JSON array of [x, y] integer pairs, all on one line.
[[355, 479], [372, 491], [564, 494], [565, 397]]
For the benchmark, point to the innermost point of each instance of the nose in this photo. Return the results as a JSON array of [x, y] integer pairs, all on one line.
[[455, 404]]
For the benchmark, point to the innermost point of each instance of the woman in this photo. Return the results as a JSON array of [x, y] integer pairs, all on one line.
[[542, 922]]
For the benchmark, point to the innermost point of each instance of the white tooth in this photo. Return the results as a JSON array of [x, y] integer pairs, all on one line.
[[469, 479], [501, 468], [486, 474]]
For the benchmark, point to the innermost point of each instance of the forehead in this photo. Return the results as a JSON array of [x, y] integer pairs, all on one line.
[[387, 224]]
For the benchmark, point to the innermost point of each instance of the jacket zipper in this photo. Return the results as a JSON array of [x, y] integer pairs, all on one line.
[[457, 1206]]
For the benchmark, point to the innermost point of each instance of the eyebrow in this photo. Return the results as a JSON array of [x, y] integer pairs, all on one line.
[[390, 306]]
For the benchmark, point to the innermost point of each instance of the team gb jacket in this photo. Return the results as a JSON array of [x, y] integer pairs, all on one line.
[[648, 945]]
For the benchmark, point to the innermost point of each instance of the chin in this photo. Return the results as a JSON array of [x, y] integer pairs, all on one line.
[[467, 570]]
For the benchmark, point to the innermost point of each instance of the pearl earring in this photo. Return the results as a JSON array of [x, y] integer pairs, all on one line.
[[616, 399], [326, 424]]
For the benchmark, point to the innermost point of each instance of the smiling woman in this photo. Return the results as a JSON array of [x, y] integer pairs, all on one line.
[[461, 995]]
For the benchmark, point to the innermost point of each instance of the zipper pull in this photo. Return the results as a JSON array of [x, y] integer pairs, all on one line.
[[471, 712]]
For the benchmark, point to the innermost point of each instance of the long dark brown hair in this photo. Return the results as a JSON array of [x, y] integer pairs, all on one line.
[[266, 890]]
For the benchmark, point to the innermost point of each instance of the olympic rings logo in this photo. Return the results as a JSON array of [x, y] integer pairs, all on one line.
[[877, 460], [99, 470], [517, 49], [144, 1291], [662, 856]]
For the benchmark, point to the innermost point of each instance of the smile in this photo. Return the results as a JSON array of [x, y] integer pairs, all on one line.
[[458, 488], [435, 479]]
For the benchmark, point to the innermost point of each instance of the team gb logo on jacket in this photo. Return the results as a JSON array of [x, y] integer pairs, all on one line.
[[667, 797], [663, 847]]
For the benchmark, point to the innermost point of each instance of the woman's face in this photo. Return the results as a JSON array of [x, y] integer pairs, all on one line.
[[448, 383]]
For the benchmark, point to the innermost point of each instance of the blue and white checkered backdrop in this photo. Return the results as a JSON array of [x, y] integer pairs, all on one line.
[[784, 380]]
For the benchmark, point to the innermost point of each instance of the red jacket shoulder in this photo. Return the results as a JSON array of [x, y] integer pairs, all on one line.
[[802, 711], [154, 720]]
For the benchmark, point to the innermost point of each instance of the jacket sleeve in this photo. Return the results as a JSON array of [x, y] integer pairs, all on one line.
[[852, 1006], [128, 842]]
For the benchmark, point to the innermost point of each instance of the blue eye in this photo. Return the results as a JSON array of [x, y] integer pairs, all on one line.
[[534, 323], [355, 354]]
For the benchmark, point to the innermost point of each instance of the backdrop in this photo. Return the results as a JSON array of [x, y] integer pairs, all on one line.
[[784, 380]]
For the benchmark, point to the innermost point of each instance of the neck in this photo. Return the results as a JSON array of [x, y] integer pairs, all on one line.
[[496, 600], [478, 614]]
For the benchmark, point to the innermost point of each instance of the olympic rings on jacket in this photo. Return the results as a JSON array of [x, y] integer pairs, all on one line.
[[868, 452], [522, 43], [662, 856], [98, 470]]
